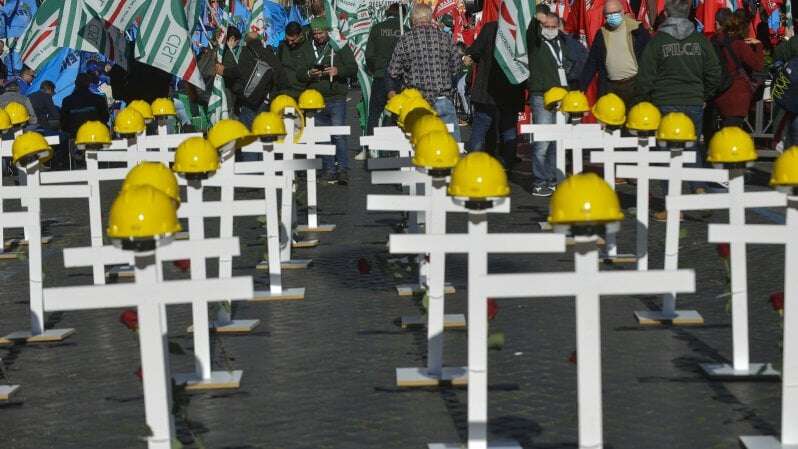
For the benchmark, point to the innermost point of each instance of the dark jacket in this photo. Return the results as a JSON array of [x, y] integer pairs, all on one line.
[[381, 42], [491, 85], [80, 107], [678, 67], [597, 58], [47, 113], [542, 65], [252, 52], [290, 58], [786, 50], [344, 60], [736, 100]]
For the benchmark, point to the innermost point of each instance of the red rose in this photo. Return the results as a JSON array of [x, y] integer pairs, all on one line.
[[777, 301], [363, 266], [572, 358], [493, 308], [139, 374], [130, 318], [183, 264], [723, 250]]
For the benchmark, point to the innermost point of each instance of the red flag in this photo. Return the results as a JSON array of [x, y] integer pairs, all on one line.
[[490, 13], [642, 15]]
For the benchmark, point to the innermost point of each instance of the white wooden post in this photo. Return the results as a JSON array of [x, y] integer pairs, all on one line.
[[149, 296], [787, 235], [736, 201], [567, 136], [31, 195], [587, 283]]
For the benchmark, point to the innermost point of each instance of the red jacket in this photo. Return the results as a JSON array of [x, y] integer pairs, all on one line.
[[736, 101]]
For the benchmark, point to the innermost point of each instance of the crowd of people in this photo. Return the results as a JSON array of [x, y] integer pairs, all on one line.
[[713, 79]]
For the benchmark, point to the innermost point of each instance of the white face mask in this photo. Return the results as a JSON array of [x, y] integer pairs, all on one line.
[[549, 33]]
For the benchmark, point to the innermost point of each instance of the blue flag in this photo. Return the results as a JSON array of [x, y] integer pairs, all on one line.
[[61, 69], [15, 16], [13, 62], [276, 18], [295, 15], [240, 16]]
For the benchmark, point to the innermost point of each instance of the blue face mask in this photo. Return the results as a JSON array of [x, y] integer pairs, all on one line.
[[614, 20]]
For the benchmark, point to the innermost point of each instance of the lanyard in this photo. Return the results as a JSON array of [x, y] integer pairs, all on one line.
[[558, 59], [319, 54]]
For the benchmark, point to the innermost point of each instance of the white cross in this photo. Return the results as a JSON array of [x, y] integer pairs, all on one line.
[[567, 136], [587, 284], [31, 196], [388, 138], [435, 205], [11, 220], [477, 243], [786, 235], [675, 174], [150, 296], [736, 201]]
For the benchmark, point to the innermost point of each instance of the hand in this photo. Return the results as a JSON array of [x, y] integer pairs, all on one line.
[[467, 60], [788, 33], [314, 73], [219, 69], [331, 71], [752, 41], [391, 94]]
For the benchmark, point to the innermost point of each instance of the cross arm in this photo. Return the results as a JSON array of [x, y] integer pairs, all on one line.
[[184, 249], [763, 234], [316, 134], [687, 174], [404, 203], [206, 209], [549, 132], [252, 167], [108, 255], [389, 163], [130, 295], [122, 156], [398, 177], [726, 200], [300, 148], [5, 145], [14, 219], [165, 140], [488, 243], [634, 157]]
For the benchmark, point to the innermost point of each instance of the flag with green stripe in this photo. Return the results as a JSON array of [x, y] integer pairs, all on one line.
[[257, 22], [80, 28], [120, 13], [511, 51], [163, 41], [217, 104], [38, 42]]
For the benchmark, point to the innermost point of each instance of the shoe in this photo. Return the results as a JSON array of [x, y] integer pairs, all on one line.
[[699, 191], [662, 216], [620, 181], [361, 156], [542, 190], [343, 178]]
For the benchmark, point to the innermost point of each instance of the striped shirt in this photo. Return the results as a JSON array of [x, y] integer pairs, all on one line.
[[426, 58]]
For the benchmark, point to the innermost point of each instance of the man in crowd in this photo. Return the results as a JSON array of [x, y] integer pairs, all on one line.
[[228, 68], [289, 54], [617, 47], [47, 113], [82, 106], [425, 58], [554, 59], [12, 94], [252, 92], [679, 71], [327, 70], [381, 43]]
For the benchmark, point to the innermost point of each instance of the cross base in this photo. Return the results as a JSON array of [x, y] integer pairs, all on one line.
[[7, 391], [182, 235], [619, 258], [288, 294], [8, 255], [23, 242], [570, 241], [233, 327], [415, 289], [319, 228], [450, 321], [764, 442], [309, 243], [121, 271], [48, 336], [678, 318], [220, 380], [293, 264], [506, 444], [420, 377], [755, 371]]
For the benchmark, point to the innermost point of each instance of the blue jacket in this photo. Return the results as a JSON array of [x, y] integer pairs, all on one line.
[[597, 58]]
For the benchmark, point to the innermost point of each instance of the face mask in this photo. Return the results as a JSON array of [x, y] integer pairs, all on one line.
[[614, 20], [549, 33]]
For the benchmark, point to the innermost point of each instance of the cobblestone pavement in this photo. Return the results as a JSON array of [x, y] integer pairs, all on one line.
[[320, 373]]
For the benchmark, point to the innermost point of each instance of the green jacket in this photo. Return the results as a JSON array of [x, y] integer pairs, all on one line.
[[678, 67], [290, 59], [382, 40], [344, 60], [786, 50], [543, 73]]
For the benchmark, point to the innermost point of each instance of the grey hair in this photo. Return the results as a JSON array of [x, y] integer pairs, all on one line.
[[677, 8], [421, 14]]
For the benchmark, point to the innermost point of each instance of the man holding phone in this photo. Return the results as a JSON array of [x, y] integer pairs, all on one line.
[[326, 70]]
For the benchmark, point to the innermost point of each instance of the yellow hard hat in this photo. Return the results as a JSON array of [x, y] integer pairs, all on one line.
[[129, 121], [153, 174], [196, 155], [31, 145], [144, 109], [228, 130], [643, 116], [413, 109], [731, 145], [425, 124], [281, 102], [478, 176], [394, 104], [142, 212], [785, 169], [553, 96], [94, 134], [676, 127], [574, 102], [610, 110], [18, 113], [268, 124], [412, 92], [5, 120], [436, 150], [311, 99], [163, 107], [584, 199]]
